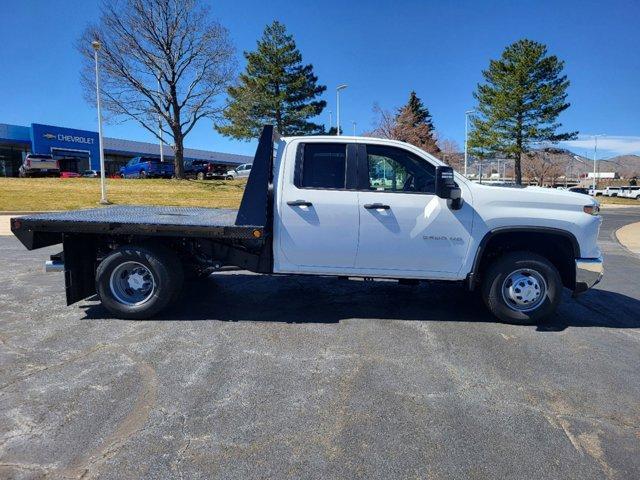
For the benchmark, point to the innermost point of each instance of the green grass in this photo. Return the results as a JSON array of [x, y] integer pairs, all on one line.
[[44, 194]]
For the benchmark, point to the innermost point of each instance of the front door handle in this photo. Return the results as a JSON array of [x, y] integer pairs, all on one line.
[[299, 203], [376, 206]]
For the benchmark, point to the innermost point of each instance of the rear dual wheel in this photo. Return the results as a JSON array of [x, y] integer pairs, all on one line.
[[137, 282], [522, 287]]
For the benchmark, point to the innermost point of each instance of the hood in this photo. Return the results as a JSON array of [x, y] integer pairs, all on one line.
[[530, 197]]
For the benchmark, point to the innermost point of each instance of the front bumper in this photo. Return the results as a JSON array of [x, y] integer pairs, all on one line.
[[589, 272]]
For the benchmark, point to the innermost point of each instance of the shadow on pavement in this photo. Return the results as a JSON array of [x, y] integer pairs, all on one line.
[[257, 298]]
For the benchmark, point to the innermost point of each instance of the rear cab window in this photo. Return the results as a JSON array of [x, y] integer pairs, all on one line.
[[321, 166]]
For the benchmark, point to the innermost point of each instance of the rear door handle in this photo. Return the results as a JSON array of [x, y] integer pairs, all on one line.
[[299, 203], [376, 206]]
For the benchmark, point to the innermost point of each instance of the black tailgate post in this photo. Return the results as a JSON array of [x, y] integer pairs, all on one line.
[[255, 205]]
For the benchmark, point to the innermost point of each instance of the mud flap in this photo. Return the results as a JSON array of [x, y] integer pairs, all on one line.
[[79, 267]]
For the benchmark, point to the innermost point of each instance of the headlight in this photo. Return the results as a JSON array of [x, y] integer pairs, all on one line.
[[591, 209]]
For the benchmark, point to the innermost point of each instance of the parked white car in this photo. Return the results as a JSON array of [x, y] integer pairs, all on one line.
[[241, 171], [611, 191], [630, 192]]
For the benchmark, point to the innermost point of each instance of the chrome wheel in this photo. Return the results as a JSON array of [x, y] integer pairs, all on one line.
[[132, 283], [524, 290]]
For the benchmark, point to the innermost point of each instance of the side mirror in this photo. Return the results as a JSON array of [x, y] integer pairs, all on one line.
[[447, 188]]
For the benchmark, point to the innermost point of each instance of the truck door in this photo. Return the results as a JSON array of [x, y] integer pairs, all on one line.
[[405, 229], [317, 215]]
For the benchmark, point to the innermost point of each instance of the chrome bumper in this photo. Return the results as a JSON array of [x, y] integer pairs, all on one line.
[[588, 272]]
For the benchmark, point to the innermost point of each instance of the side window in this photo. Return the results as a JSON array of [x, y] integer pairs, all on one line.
[[321, 165], [248, 167], [395, 170]]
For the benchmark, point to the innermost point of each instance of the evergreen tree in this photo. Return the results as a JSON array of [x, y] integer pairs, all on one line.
[[276, 88], [414, 125], [519, 102], [420, 112]]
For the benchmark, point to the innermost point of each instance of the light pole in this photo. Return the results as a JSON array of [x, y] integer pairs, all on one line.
[[354, 128], [466, 134], [103, 187], [330, 119], [595, 154], [340, 87]]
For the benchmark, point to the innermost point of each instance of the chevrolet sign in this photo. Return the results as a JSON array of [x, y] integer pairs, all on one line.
[[61, 137]]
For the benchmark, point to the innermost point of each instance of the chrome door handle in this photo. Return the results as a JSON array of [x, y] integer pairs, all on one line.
[[376, 206], [299, 203]]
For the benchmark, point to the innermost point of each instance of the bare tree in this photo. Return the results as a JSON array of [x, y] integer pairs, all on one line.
[[540, 167], [164, 63], [450, 153]]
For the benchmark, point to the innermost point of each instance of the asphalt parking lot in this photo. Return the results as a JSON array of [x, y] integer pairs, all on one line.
[[259, 377]]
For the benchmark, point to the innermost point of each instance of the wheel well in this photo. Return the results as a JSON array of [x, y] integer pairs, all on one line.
[[560, 249]]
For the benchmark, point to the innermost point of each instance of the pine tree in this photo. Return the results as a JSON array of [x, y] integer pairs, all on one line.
[[519, 102], [414, 125], [420, 112], [276, 88]]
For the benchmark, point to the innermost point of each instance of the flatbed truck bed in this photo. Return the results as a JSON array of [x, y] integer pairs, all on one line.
[[216, 223]]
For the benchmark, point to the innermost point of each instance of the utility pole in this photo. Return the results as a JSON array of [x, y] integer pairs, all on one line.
[[466, 135], [103, 186], [354, 128], [595, 155], [340, 87]]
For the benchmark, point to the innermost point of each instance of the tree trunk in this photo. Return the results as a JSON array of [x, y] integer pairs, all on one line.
[[178, 152], [517, 167]]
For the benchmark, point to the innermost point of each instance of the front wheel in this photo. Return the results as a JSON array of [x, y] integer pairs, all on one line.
[[228, 177], [200, 176], [136, 282], [522, 287]]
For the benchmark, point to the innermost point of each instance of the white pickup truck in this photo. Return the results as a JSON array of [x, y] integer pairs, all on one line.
[[352, 207]]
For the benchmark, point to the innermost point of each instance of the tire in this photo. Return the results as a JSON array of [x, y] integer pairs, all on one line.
[[528, 269], [228, 177], [142, 174], [200, 176], [152, 264]]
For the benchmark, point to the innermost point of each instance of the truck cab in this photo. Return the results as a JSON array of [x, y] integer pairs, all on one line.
[[353, 207]]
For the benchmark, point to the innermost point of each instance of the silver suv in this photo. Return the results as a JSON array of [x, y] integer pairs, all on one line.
[[241, 171]]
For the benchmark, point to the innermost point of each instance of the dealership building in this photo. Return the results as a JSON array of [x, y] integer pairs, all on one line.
[[79, 150]]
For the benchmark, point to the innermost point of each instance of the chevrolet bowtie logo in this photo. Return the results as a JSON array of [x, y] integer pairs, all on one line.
[[49, 136]]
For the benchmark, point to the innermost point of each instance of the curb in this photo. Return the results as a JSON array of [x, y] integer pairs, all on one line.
[[629, 237]]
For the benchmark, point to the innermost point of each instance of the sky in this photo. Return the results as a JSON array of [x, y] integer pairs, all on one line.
[[381, 49]]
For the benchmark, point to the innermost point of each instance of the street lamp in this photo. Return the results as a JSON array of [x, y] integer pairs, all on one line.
[[595, 154], [103, 187], [340, 87], [354, 128], [466, 134]]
